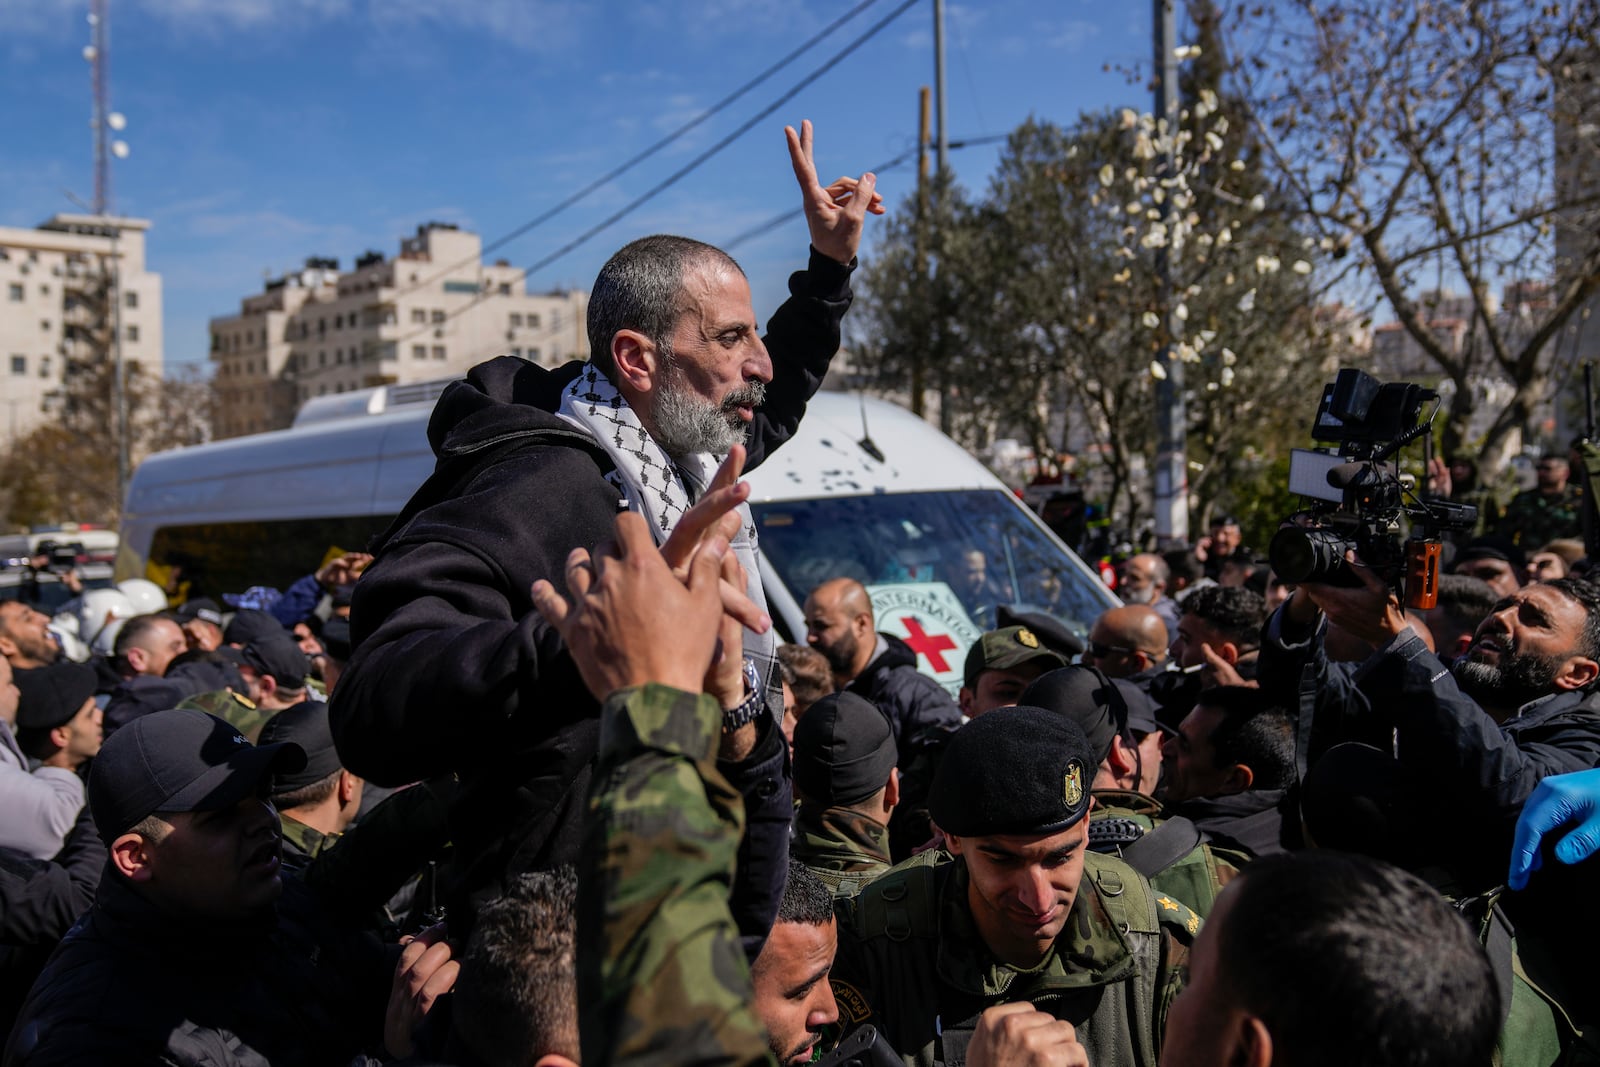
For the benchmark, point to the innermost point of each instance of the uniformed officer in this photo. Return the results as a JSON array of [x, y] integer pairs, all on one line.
[[1017, 910], [847, 785], [1126, 822]]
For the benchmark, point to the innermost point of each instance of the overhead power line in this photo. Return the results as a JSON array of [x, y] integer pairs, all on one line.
[[623, 168], [684, 171]]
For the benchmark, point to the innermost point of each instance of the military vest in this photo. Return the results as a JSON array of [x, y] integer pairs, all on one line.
[[1125, 824]]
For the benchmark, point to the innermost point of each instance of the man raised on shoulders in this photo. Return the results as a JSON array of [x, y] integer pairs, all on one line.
[[453, 670]]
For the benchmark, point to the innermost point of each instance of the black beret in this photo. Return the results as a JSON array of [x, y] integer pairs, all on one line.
[[1015, 770], [1087, 697], [843, 750], [305, 724], [52, 696]]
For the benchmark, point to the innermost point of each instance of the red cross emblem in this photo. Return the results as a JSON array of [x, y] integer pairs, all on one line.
[[933, 646]]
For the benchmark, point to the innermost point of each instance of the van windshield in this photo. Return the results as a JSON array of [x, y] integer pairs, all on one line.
[[977, 544]]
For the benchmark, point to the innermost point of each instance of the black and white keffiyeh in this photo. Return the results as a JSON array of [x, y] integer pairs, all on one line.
[[661, 490]]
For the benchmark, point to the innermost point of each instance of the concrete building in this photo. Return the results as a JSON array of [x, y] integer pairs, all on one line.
[[433, 311], [65, 287]]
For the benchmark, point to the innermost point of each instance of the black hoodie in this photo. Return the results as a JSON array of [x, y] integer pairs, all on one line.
[[455, 671]]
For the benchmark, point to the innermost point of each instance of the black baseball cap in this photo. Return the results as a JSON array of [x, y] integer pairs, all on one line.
[[306, 725], [203, 608], [51, 696], [1018, 770], [335, 638], [249, 625], [176, 761], [843, 750], [279, 656]]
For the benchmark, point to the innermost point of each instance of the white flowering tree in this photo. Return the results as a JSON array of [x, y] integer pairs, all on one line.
[[1443, 145]]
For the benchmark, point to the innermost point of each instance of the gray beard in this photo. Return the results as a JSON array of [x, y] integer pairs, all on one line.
[[1144, 596], [686, 423]]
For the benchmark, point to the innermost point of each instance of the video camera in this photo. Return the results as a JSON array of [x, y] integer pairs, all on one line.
[[1359, 497], [60, 556]]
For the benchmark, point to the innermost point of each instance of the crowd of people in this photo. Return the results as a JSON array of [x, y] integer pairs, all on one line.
[[536, 783]]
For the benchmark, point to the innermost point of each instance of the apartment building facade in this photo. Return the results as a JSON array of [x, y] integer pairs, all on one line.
[[70, 291], [433, 310]]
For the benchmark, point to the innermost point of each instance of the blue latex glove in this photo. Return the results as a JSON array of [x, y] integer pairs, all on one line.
[[1561, 800]]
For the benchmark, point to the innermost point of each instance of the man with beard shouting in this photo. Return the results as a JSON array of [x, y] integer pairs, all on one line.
[[1469, 742], [454, 672]]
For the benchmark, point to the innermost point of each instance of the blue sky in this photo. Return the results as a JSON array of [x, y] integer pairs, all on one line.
[[266, 131]]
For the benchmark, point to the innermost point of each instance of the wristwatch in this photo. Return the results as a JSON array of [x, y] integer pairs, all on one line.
[[753, 704]]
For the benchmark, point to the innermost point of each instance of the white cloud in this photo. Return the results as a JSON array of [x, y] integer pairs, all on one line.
[[533, 25], [1072, 34]]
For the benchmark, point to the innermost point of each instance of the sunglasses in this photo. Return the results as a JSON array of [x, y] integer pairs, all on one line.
[[1099, 651]]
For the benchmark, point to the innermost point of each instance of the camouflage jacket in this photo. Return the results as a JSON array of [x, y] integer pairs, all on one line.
[[662, 979], [844, 848], [912, 963], [302, 843], [1122, 817], [239, 712], [1532, 520]]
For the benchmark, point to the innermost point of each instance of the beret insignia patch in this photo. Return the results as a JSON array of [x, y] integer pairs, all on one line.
[[1072, 792], [1026, 639]]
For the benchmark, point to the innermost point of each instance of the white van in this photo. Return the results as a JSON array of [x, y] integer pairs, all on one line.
[[864, 489]]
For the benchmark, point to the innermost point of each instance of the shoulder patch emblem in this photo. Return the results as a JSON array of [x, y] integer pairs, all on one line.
[[1026, 639], [1169, 903], [852, 1005], [1072, 791]]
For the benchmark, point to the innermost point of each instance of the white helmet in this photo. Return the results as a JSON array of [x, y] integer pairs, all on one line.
[[146, 595], [101, 615]]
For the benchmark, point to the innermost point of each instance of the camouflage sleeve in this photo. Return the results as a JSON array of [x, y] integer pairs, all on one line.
[[1179, 925], [664, 980]]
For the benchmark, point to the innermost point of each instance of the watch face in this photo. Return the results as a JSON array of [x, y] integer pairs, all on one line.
[[752, 676]]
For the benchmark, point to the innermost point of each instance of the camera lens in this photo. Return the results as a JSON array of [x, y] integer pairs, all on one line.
[[1299, 554]]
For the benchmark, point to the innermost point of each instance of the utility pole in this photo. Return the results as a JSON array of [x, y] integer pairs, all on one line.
[[105, 122], [919, 383], [1172, 467], [938, 81]]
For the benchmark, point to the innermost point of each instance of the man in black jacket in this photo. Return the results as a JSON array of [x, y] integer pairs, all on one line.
[[1471, 741], [1229, 768], [196, 951], [453, 669]]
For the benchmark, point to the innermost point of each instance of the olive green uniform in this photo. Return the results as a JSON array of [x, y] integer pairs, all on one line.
[[237, 711], [912, 963], [1122, 817], [842, 847]]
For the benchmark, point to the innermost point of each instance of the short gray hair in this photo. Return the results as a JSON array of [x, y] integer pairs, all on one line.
[[640, 288]]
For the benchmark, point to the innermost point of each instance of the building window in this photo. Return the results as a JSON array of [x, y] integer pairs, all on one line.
[[130, 300], [44, 366], [322, 358], [438, 316], [419, 351], [419, 314], [391, 352], [533, 322], [133, 333], [505, 288], [19, 364], [516, 320], [533, 355], [438, 351], [44, 324], [44, 290]]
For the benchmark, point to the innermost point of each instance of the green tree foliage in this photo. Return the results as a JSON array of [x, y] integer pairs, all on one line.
[[1042, 313]]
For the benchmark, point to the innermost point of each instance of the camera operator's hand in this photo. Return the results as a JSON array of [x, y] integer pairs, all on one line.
[[1438, 483], [1370, 611]]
